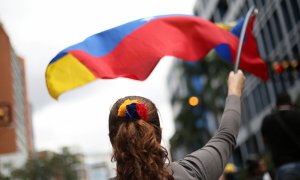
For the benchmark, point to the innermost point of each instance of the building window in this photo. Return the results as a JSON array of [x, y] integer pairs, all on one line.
[[258, 101], [271, 34], [265, 94], [296, 10], [271, 89], [278, 27], [295, 51], [264, 42], [286, 16], [244, 10], [290, 78], [263, 2], [279, 83], [245, 112], [5, 115], [251, 106], [246, 7], [262, 96], [258, 4], [222, 7]]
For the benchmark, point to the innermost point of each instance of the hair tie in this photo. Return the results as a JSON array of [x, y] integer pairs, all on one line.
[[134, 110]]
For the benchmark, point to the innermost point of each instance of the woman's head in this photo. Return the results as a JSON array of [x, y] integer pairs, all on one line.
[[116, 120], [135, 134]]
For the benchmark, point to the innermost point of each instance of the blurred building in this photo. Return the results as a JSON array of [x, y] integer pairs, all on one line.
[[277, 31], [100, 167], [16, 136]]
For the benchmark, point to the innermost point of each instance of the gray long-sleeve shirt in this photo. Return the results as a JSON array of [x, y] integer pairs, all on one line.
[[209, 161]]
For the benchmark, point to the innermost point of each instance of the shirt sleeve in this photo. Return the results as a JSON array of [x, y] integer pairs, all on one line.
[[209, 161]]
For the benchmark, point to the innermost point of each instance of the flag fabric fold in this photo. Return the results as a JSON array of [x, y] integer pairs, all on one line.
[[132, 50]]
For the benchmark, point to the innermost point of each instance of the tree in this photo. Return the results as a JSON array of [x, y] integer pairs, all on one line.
[[205, 79], [47, 165]]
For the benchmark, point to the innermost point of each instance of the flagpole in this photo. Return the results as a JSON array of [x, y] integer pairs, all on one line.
[[242, 36]]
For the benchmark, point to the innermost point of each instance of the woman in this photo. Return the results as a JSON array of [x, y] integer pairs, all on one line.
[[135, 135]]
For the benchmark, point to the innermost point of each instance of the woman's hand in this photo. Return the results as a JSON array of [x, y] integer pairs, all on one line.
[[236, 83]]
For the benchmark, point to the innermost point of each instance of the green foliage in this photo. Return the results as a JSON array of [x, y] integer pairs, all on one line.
[[49, 165], [2, 177], [191, 132]]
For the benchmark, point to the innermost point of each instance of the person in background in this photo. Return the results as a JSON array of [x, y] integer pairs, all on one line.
[[281, 133], [135, 135], [230, 172], [257, 169]]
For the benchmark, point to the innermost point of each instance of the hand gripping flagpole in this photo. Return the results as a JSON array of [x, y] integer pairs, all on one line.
[[242, 36]]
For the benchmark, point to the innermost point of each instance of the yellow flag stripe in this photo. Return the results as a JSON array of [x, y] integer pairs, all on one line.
[[227, 27], [65, 74]]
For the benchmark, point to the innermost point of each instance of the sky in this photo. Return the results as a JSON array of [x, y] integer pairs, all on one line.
[[39, 29]]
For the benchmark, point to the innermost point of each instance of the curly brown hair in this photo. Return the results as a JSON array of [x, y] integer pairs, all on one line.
[[136, 144]]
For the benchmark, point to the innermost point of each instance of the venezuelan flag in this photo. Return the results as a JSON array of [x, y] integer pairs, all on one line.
[[236, 28], [132, 50]]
